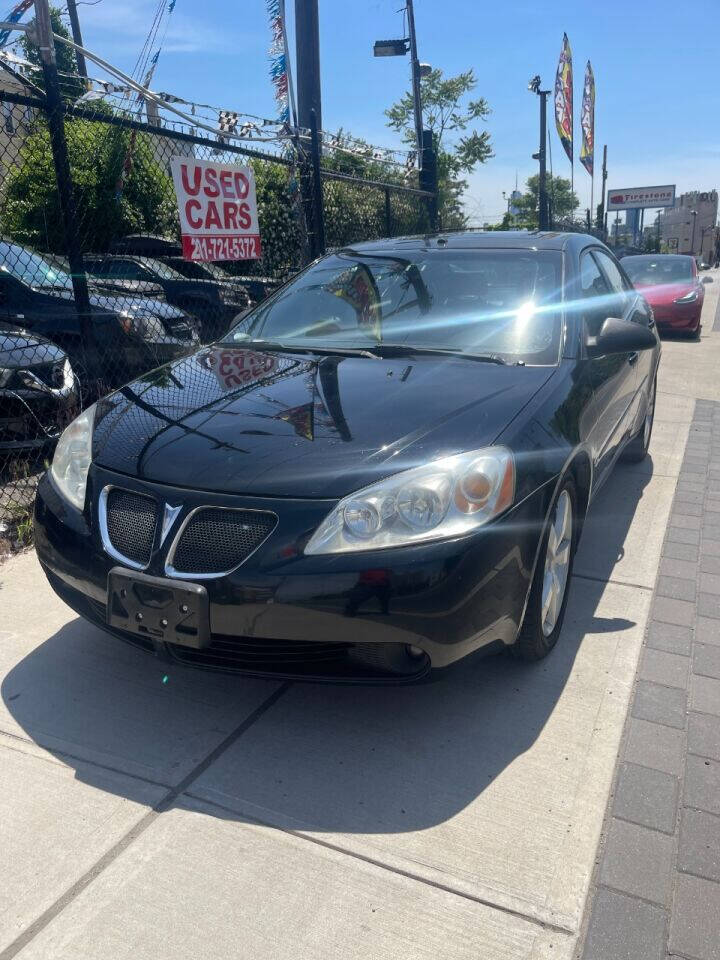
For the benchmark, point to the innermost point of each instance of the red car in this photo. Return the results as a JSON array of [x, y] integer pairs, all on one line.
[[670, 284]]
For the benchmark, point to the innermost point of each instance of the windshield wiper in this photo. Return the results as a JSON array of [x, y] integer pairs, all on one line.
[[408, 349], [305, 348], [374, 351]]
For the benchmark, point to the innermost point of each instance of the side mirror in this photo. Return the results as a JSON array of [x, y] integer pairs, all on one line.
[[707, 279], [620, 336]]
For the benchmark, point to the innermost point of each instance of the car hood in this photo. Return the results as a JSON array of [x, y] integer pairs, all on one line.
[[18, 348], [663, 294], [142, 287], [279, 424], [116, 304]]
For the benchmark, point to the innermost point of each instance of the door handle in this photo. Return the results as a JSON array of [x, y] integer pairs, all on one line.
[[633, 359]]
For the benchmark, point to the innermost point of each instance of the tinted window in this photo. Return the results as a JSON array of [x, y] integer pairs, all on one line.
[[592, 282], [31, 269], [476, 301], [611, 271], [648, 271]]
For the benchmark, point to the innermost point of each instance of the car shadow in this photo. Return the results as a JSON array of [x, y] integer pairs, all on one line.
[[352, 759]]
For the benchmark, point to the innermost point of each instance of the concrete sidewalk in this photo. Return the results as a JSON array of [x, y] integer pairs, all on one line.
[[189, 815]]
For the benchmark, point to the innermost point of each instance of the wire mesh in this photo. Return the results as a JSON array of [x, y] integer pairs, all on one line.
[[148, 306]]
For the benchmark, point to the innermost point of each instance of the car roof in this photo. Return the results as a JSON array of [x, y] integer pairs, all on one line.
[[660, 256], [480, 240]]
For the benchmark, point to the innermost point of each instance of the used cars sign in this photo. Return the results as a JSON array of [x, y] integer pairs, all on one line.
[[634, 197], [218, 210]]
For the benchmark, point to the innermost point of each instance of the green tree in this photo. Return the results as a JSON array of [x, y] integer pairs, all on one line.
[[30, 209], [563, 201], [70, 87], [449, 113]]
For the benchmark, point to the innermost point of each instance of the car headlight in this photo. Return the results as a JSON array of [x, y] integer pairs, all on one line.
[[688, 298], [144, 324], [5, 377], [73, 455], [445, 498]]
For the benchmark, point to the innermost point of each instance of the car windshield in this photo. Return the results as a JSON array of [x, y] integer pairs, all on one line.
[[654, 271], [30, 268], [504, 303]]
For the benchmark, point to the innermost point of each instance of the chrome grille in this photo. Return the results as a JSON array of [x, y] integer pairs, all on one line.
[[130, 520], [214, 540]]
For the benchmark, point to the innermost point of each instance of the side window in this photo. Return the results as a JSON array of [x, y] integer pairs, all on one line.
[[612, 272], [595, 292]]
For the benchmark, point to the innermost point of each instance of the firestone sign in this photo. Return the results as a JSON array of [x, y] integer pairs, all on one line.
[[635, 197], [217, 208]]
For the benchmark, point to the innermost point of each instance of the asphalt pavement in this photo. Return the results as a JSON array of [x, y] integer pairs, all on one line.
[[172, 814]]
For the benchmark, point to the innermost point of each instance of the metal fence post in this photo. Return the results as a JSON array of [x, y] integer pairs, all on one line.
[[55, 112], [317, 189], [429, 178], [388, 213]]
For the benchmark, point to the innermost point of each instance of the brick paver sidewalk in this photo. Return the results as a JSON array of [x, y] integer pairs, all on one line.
[[657, 884]]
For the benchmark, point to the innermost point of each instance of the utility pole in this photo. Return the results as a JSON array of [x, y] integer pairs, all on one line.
[[307, 55], [56, 128], [77, 37], [415, 79]]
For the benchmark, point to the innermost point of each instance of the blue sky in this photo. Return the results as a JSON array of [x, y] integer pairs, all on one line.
[[655, 63]]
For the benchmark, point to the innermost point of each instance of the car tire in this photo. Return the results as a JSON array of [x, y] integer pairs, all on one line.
[[637, 448], [541, 626], [695, 334]]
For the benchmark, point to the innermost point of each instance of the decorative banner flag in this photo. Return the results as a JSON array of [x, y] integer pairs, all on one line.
[[564, 98], [278, 59], [14, 16], [587, 121]]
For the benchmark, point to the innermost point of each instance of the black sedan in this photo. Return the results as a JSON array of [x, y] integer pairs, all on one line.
[[38, 391], [382, 469], [132, 334], [213, 304]]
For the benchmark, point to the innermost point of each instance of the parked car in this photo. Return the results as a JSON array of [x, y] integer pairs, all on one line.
[[213, 304], [245, 289], [133, 334], [381, 469], [670, 284], [169, 251], [38, 390]]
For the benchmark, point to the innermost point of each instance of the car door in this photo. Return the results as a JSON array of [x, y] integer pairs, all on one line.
[[634, 310], [613, 376], [638, 311]]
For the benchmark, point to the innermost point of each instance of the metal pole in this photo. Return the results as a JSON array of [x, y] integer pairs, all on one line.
[[603, 211], [415, 79], [307, 55], [542, 180], [692, 242], [318, 211], [77, 37], [388, 213], [56, 128]]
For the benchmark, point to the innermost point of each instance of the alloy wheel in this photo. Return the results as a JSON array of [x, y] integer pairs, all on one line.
[[557, 562]]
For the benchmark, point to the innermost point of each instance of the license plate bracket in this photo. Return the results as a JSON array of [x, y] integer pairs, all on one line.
[[158, 609]]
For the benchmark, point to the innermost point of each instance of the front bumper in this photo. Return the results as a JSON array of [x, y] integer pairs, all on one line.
[[32, 419], [282, 613], [680, 317]]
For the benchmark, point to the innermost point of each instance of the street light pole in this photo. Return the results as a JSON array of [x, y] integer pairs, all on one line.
[[415, 78], [693, 213], [543, 215]]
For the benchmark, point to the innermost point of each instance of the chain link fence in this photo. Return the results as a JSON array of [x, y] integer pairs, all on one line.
[[96, 294]]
